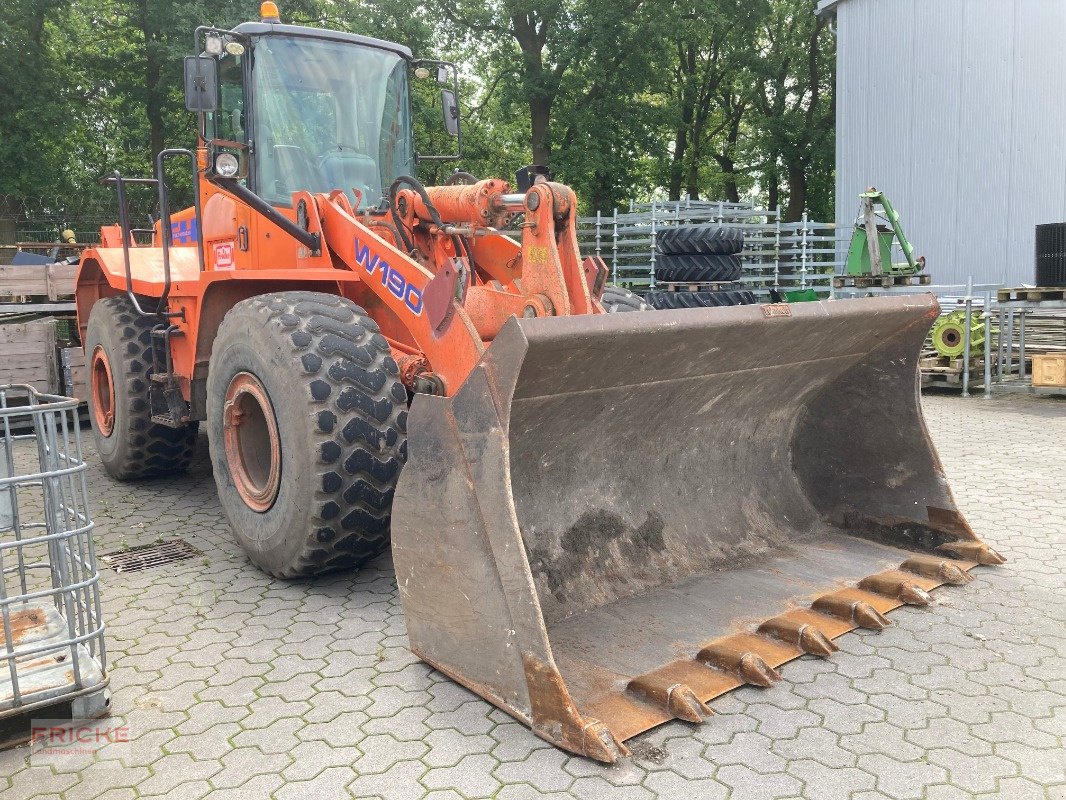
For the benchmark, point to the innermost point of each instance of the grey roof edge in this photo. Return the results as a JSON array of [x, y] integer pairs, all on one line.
[[260, 28], [827, 7]]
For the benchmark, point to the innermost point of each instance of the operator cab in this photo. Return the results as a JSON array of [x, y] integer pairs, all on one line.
[[307, 109]]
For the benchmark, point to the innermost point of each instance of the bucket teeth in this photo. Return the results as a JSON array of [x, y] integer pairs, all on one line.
[[751, 667], [913, 595], [857, 611], [975, 551], [866, 616], [954, 574], [677, 698], [599, 743], [756, 671], [684, 704], [804, 635], [937, 568], [813, 641], [891, 585]]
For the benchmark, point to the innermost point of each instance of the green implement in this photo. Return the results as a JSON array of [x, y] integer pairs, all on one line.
[[871, 244]]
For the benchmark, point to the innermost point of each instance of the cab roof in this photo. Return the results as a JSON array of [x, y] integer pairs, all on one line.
[[275, 28]]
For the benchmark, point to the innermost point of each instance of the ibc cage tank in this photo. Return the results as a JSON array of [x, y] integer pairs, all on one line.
[[52, 657]]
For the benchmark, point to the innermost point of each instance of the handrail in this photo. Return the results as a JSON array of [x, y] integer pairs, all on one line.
[[167, 236], [164, 219]]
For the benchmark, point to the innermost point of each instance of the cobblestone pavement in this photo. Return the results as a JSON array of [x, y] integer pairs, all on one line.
[[239, 686]]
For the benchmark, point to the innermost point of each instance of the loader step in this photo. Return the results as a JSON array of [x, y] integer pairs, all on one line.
[[884, 281]]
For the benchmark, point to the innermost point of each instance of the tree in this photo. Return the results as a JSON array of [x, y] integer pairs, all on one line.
[[624, 99], [711, 48], [794, 99]]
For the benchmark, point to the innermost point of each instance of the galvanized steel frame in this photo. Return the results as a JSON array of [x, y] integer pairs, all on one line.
[[777, 255], [46, 554]]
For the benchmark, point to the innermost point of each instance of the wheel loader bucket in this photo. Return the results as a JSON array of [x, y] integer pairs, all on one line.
[[619, 517]]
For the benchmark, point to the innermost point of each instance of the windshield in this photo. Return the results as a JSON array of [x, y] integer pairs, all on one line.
[[329, 115]]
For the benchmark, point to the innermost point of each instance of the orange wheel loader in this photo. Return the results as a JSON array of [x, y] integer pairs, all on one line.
[[599, 521]]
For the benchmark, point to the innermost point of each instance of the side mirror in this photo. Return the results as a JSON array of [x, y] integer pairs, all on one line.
[[451, 111], [201, 83]]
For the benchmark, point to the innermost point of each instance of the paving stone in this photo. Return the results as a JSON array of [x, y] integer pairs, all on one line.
[[447, 747], [976, 774], [327, 785], [747, 784], [671, 786], [402, 779], [542, 769], [902, 780], [471, 777], [382, 751], [829, 783]]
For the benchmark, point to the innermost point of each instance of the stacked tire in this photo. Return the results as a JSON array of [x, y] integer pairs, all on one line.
[[699, 254], [730, 297], [616, 300]]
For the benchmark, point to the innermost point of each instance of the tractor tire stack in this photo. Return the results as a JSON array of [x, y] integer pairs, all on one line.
[[698, 265]]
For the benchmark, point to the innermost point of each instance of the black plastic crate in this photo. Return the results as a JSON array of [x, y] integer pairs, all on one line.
[[1051, 254]]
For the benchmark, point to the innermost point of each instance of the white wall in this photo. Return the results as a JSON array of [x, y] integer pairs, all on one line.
[[957, 110]]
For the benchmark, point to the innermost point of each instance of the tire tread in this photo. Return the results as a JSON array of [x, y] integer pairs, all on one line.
[[705, 239], [359, 407], [152, 450]]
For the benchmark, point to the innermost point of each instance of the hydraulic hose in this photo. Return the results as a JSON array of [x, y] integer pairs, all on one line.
[[414, 183]]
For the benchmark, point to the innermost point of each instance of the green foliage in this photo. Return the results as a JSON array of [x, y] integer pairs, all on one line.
[[625, 99]]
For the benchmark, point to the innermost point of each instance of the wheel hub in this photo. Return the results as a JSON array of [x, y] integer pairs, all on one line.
[[252, 442], [102, 390]]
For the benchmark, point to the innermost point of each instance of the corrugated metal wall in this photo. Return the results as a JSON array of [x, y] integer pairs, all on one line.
[[957, 110]]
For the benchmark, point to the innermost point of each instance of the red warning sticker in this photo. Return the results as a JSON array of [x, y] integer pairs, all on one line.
[[224, 255]]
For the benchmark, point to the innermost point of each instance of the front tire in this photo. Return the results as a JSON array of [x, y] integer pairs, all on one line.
[[118, 350], [307, 423]]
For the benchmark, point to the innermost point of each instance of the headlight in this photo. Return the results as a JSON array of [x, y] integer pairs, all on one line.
[[213, 44], [227, 165]]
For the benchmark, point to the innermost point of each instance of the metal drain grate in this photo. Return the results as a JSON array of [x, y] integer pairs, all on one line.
[[147, 556]]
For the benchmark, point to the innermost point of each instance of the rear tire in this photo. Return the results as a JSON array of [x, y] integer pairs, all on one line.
[[615, 299], [706, 239], [306, 470], [118, 349], [667, 300], [697, 268]]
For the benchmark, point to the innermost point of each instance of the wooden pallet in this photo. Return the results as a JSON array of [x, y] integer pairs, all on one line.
[[28, 355], [673, 286], [938, 363], [884, 281], [51, 282], [951, 380], [1032, 295], [947, 371]]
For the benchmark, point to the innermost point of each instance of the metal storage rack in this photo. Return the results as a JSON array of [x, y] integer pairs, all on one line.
[[777, 255], [1015, 316]]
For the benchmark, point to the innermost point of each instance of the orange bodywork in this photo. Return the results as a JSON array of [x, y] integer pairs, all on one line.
[[436, 309]]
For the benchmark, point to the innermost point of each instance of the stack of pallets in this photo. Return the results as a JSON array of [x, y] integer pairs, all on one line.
[[39, 343]]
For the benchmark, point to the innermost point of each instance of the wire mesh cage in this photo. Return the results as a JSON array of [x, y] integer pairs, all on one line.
[[52, 637]]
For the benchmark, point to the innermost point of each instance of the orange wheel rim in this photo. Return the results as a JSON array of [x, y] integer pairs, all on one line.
[[253, 446], [102, 390]]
